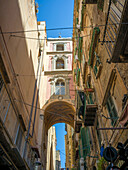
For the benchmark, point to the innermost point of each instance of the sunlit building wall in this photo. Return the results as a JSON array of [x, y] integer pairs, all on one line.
[[100, 69], [58, 82], [58, 161], [69, 147], [21, 60], [51, 149]]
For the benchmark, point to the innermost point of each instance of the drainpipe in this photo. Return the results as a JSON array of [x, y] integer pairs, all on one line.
[[38, 92]]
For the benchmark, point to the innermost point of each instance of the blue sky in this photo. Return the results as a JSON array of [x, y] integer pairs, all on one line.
[[60, 132], [57, 14]]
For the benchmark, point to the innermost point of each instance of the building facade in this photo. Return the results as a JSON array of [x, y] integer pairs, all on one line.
[[21, 60], [100, 69], [69, 147], [58, 160], [51, 149], [59, 94]]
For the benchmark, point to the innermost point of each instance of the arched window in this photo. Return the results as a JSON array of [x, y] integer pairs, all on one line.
[[60, 87], [60, 63]]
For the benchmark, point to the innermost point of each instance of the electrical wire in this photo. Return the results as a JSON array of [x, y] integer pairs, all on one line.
[[43, 109], [20, 75], [63, 28], [37, 74], [31, 38], [62, 152]]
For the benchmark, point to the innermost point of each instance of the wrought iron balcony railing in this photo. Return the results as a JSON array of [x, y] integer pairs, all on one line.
[[116, 31]]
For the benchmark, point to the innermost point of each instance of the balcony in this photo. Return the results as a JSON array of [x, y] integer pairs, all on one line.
[[90, 114], [115, 36]]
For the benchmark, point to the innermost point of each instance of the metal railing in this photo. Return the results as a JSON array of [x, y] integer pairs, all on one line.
[[113, 20]]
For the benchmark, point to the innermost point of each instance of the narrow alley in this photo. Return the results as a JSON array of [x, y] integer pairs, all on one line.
[[64, 85]]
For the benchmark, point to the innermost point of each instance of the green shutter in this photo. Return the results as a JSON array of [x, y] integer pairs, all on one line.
[[96, 31], [76, 20], [85, 141], [80, 48], [78, 77], [95, 70], [82, 14], [84, 106], [75, 50], [90, 101], [112, 110]]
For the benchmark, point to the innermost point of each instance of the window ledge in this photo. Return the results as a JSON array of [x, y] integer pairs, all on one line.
[[58, 71]]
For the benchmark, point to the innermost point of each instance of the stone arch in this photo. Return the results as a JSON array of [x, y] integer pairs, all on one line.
[[59, 111]]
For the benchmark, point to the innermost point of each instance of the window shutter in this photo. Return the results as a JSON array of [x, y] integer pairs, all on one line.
[[112, 110]]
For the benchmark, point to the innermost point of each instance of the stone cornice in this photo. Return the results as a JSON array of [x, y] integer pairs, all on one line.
[[59, 39], [56, 72], [59, 52]]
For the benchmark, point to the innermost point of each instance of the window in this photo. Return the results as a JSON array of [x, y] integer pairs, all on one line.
[[60, 87], [60, 47], [60, 64], [19, 138], [112, 110]]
